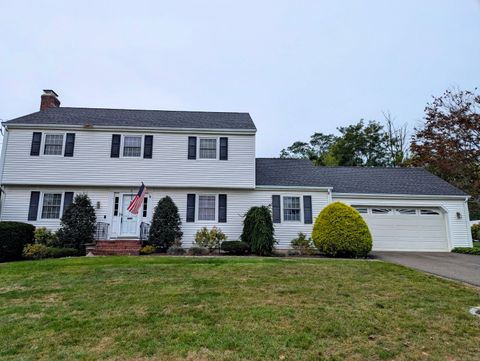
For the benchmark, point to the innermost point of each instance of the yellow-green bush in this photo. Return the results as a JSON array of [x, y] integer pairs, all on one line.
[[340, 230]]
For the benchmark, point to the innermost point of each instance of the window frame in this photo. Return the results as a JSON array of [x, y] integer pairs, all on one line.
[[42, 200], [44, 143], [300, 204], [197, 208], [217, 148], [122, 146]]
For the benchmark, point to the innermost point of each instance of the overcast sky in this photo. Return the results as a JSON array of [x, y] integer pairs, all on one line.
[[296, 66]]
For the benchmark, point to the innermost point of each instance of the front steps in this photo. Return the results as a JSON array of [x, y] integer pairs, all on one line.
[[119, 247]]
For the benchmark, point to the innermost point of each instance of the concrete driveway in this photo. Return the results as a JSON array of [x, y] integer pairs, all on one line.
[[460, 267]]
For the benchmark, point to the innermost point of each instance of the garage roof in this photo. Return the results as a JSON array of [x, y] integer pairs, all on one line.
[[302, 173]]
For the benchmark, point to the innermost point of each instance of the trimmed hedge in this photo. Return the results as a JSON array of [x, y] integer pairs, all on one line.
[[13, 237], [340, 230], [198, 251], [235, 247], [467, 250]]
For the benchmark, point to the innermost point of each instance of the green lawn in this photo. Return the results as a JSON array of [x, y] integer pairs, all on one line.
[[167, 308]]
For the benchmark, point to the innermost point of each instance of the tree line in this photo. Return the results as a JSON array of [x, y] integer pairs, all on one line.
[[447, 143]]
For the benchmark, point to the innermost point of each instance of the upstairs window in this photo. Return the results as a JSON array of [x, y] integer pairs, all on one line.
[[51, 205], [132, 146], [208, 148], [206, 207], [291, 208], [53, 144]]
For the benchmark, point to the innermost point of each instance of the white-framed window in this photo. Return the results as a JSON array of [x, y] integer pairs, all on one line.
[[291, 208], [132, 145], [207, 148], [406, 211], [53, 144], [51, 205], [429, 212], [382, 211], [361, 210], [206, 207]]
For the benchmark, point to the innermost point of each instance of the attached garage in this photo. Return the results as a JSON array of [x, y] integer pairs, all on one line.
[[406, 229]]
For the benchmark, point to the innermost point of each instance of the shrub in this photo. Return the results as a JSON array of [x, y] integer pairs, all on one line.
[[302, 244], [235, 247], [35, 251], [198, 251], [467, 250], [13, 237], [176, 250], [46, 237], [78, 223], [340, 230], [165, 227], [148, 249], [258, 231], [209, 238], [475, 231], [41, 251], [59, 252]]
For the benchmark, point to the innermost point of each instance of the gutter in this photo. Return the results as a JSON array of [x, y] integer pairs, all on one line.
[[399, 196], [265, 187]]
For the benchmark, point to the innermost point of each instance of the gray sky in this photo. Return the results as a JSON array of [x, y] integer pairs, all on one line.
[[296, 66]]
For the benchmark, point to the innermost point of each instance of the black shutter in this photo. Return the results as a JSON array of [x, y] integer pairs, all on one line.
[[223, 148], [307, 209], [276, 209], [148, 146], [69, 145], [190, 207], [115, 152], [192, 147], [33, 208], [67, 201], [36, 142], [222, 208]]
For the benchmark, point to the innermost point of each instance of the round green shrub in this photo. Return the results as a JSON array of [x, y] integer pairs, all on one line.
[[13, 238], [35, 251], [166, 225], [475, 231], [258, 231], [340, 231]]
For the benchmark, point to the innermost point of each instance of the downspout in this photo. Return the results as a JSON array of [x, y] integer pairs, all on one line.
[[467, 221]]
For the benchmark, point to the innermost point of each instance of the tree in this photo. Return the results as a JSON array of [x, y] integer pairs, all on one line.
[[166, 223], [78, 223], [448, 144], [258, 230]]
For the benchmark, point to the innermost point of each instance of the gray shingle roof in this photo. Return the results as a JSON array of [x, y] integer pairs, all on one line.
[[297, 172], [138, 118]]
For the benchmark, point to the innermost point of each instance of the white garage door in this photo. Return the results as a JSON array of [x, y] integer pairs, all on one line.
[[406, 229]]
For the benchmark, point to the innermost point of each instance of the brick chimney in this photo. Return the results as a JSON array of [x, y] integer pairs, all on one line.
[[49, 100]]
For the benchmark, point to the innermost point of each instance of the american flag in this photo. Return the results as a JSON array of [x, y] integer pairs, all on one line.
[[137, 200]]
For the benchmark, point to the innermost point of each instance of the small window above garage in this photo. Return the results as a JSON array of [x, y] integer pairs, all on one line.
[[382, 211], [429, 212], [407, 211]]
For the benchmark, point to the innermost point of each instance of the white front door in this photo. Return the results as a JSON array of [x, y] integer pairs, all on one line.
[[128, 221]]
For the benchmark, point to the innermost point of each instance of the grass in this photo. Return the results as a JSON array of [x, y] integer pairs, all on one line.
[[173, 308]]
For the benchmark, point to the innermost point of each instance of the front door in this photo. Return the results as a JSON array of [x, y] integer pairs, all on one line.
[[128, 221]]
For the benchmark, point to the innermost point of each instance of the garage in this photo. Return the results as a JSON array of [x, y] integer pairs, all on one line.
[[406, 229]]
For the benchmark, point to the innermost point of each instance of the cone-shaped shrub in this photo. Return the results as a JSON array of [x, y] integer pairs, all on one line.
[[166, 222], [340, 231], [258, 230], [78, 223]]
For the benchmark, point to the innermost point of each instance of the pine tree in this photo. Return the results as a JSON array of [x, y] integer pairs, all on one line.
[[78, 223], [165, 228]]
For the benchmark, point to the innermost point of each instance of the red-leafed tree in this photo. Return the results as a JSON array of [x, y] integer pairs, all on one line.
[[448, 144]]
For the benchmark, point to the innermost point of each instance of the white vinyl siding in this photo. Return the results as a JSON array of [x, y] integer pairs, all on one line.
[[206, 207], [92, 164], [132, 146], [208, 148], [53, 144], [51, 205]]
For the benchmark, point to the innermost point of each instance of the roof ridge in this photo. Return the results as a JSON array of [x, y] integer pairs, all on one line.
[[152, 110]]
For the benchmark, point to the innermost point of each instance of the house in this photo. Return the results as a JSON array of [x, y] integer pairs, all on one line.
[[206, 162]]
